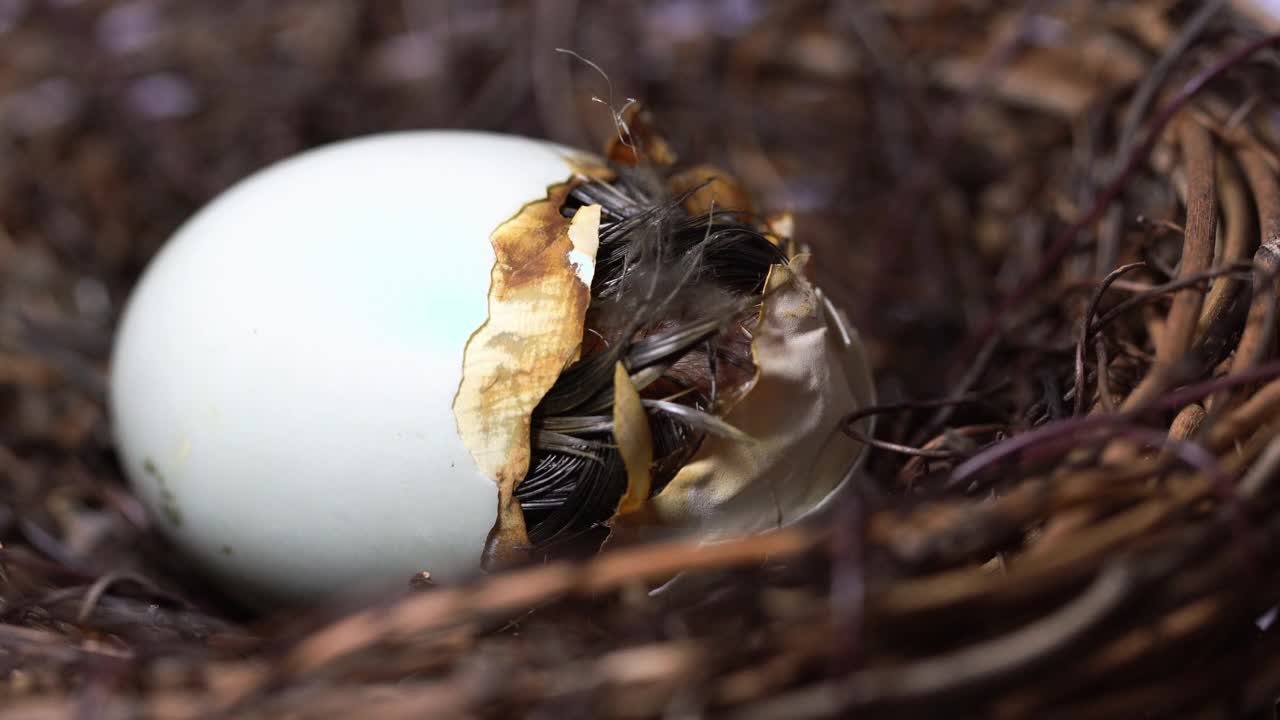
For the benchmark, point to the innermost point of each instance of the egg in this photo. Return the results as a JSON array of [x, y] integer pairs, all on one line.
[[435, 350], [284, 372]]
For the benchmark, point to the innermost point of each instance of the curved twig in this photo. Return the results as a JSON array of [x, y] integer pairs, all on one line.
[[1084, 329], [1197, 256], [1062, 245], [966, 668]]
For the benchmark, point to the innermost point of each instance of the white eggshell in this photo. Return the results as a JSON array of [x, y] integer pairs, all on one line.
[[283, 376]]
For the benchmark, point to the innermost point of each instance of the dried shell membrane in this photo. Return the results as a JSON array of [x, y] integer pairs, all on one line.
[[810, 373], [540, 286], [635, 442]]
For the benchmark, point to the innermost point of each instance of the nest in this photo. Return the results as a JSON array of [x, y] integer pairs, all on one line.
[[1057, 225]]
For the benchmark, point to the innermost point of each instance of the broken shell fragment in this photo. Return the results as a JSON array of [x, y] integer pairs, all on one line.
[[539, 290], [437, 351], [810, 373]]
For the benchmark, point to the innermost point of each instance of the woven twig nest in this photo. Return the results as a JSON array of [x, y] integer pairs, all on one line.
[[1066, 255]]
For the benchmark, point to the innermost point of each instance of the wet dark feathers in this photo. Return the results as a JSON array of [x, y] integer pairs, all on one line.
[[669, 294]]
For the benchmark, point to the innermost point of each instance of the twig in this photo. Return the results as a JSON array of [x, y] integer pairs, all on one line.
[[933, 677], [1062, 245], [1085, 329], [1197, 256]]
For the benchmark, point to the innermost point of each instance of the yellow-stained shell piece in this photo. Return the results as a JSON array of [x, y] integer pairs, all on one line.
[[635, 442], [540, 286]]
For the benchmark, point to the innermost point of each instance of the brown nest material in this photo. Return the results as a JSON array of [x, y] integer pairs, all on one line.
[[1058, 224]]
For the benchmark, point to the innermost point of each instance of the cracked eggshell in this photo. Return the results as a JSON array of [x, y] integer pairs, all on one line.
[[284, 375], [811, 371]]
